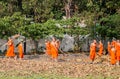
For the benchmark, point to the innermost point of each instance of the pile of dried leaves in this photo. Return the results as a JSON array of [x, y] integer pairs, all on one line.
[[72, 65]]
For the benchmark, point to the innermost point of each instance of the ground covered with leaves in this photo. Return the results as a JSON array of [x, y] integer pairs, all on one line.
[[69, 66]]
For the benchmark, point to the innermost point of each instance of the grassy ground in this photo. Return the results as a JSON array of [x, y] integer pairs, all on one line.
[[71, 66], [35, 76], [17, 75], [49, 76]]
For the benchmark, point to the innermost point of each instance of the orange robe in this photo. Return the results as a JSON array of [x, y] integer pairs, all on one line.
[[113, 43], [100, 49], [48, 48], [20, 49], [54, 51], [109, 48], [10, 51], [118, 51], [92, 51], [113, 57]]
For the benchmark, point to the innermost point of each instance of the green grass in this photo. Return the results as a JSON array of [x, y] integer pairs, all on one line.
[[99, 77], [16, 75], [47, 76], [34, 76]]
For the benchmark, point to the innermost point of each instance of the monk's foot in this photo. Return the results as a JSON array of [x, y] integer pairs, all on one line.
[[113, 64], [118, 63], [15, 57], [9, 58], [56, 60], [51, 58], [20, 58], [108, 64], [91, 62]]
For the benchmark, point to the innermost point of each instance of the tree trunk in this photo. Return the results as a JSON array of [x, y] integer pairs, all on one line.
[[20, 5], [67, 8]]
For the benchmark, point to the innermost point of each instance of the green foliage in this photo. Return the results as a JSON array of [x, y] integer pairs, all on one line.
[[110, 26], [40, 10], [52, 28], [38, 18], [41, 30], [12, 25], [4, 27]]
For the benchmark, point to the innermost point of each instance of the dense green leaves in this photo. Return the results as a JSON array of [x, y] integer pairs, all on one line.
[[110, 26], [40, 18]]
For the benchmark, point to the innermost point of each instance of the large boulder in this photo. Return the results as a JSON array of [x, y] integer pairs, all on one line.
[[67, 43], [3, 47]]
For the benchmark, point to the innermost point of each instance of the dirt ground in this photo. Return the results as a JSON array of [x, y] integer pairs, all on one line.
[[71, 65]]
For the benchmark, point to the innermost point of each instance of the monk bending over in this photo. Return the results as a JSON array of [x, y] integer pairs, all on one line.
[[54, 50]]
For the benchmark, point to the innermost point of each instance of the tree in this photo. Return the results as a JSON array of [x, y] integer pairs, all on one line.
[[11, 25], [109, 27], [36, 31], [40, 10], [37, 16]]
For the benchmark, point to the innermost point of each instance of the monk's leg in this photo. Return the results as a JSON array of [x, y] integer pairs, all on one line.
[[92, 57], [119, 60], [55, 57]]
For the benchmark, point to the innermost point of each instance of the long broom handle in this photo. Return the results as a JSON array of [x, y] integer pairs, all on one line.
[[3, 45], [61, 51]]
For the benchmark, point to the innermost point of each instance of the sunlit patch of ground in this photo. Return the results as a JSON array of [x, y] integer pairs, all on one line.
[[69, 66]]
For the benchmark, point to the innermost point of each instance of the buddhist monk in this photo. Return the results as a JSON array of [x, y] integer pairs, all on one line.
[[112, 56], [109, 47], [100, 48], [54, 50], [20, 49], [118, 51], [10, 52], [93, 50], [48, 47], [113, 43]]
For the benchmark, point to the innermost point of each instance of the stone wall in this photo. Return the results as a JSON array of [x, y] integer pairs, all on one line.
[[67, 44]]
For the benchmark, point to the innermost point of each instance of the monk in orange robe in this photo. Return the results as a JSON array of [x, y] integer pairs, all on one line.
[[20, 49], [109, 48], [118, 51], [100, 48], [10, 51], [48, 47], [112, 56], [54, 50], [93, 51], [114, 43]]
